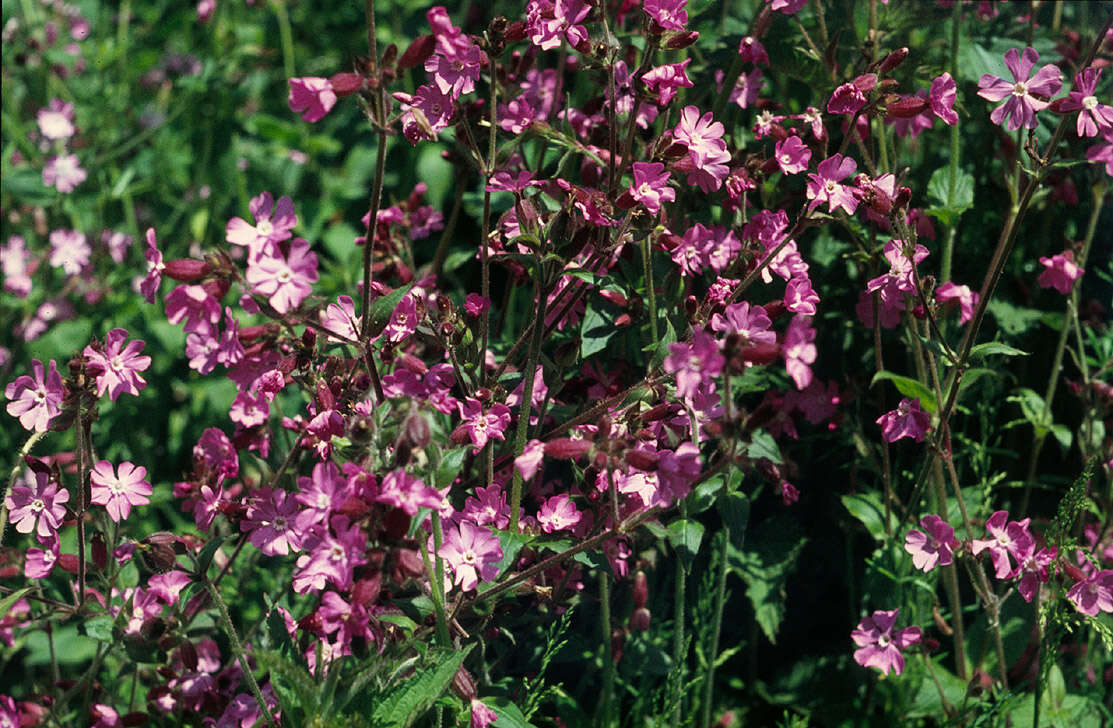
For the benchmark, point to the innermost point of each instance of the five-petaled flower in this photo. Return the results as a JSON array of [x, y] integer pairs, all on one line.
[[823, 186], [907, 420], [1023, 93], [37, 399], [473, 553], [115, 366], [651, 186], [934, 548], [879, 646], [479, 425], [1093, 594], [1060, 272], [312, 95], [118, 489], [39, 509]]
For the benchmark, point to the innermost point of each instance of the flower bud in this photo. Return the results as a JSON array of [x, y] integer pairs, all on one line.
[[866, 82], [418, 52], [645, 460], [100, 551], [893, 60], [188, 653], [760, 353], [565, 448], [906, 108], [682, 39], [216, 288], [345, 84], [641, 589], [463, 684], [186, 270], [640, 619]]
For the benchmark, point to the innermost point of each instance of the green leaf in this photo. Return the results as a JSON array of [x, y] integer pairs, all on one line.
[[99, 627], [685, 536], [774, 549], [382, 308], [868, 509], [910, 388], [1013, 320], [407, 702], [762, 445], [509, 715], [995, 347], [205, 558], [449, 468], [1034, 408], [512, 544], [400, 620], [939, 188], [735, 509], [7, 602], [597, 328]]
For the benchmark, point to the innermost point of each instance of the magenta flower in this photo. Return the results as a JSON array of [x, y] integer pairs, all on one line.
[[489, 507], [312, 95], [529, 462], [665, 80], [195, 306], [64, 172], [340, 319], [481, 426], [1093, 117], [966, 299], [428, 111], [1011, 539], [788, 7], [119, 489], [942, 97], [1093, 594], [746, 88], [934, 548], [40, 509], [402, 490], [481, 715], [694, 363], [69, 251], [273, 224], [824, 185], [907, 420], [1023, 92], [270, 520], [749, 323], [286, 281], [847, 99], [38, 563], [752, 51], [14, 264], [1033, 570], [36, 399], [669, 14], [558, 513], [651, 186], [1060, 272], [116, 367], [799, 350], [457, 74], [547, 23], [403, 320], [331, 558], [472, 552], [879, 646], [792, 155], [702, 136]]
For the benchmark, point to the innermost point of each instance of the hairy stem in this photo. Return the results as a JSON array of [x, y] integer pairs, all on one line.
[[237, 647]]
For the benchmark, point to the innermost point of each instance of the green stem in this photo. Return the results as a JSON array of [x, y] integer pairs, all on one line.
[[713, 648], [526, 406], [607, 698], [436, 573], [237, 647], [679, 658], [286, 37], [949, 238], [650, 294]]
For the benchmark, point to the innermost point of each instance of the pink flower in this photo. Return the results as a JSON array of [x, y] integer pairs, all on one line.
[[788, 7], [40, 509], [56, 120], [752, 51], [331, 558], [1023, 102], [847, 99], [273, 224], [428, 111], [481, 715], [665, 80], [1033, 570], [558, 513], [340, 319], [792, 155], [270, 520], [750, 323], [669, 14], [64, 172], [651, 186], [529, 462], [702, 136], [36, 399], [1011, 539], [547, 23], [312, 95], [14, 263], [489, 507], [1103, 152], [942, 97], [966, 299], [1093, 594], [116, 366], [69, 251], [402, 490], [472, 552], [286, 281], [38, 563], [907, 420], [746, 88], [119, 489], [193, 303], [403, 320], [933, 548], [799, 352], [879, 646], [694, 363], [1060, 272], [824, 185], [1093, 117], [481, 426], [457, 73]]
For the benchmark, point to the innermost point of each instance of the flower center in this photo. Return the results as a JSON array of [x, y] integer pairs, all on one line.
[[469, 556], [285, 276], [265, 228], [830, 186], [786, 159], [884, 640], [280, 523], [38, 505], [1090, 103], [1020, 89], [116, 487]]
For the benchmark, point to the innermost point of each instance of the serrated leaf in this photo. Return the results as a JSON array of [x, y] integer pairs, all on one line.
[[407, 702], [995, 347], [910, 388], [734, 507], [685, 536], [762, 445], [774, 549]]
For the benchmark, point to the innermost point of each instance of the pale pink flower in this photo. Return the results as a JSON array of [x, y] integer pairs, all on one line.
[[118, 489], [799, 351], [64, 172], [665, 80], [966, 299], [195, 306], [340, 319], [472, 552], [403, 320], [285, 280], [38, 563], [273, 224], [1093, 594], [1060, 272], [1009, 539], [14, 262], [1023, 93], [750, 323], [36, 399], [558, 513], [402, 490], [456, 74], [39, 509], [746, 88], [702, 135], [56, 120], [879, 646], [788, 7], [312, 95], [115, 366], [907, 420], [155, 267], [529, 462], [934, 548], [69, 251]]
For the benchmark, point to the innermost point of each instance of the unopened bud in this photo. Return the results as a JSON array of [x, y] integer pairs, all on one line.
[[866, 82], [641, 588], [345, 84], [463, 684], [640, 619], [893, 60], [186, 270], [418, 52], [764, 352], [100, 551], [565, 448], [681, 40], [906, 108], [645, 460]]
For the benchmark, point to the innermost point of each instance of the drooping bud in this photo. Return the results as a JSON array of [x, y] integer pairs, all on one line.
[[640, 619], [186, 270], [345, 84], [893, 60], [565, 448], [641, 589], [906, 108], [645, 460]]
